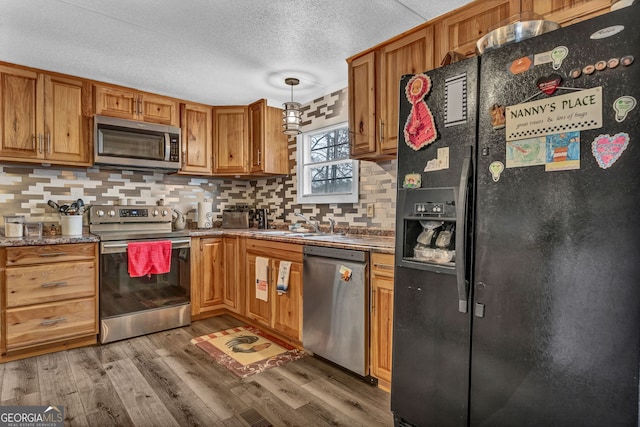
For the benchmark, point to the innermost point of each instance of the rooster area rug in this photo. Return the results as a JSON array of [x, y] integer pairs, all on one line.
[[246, 351]]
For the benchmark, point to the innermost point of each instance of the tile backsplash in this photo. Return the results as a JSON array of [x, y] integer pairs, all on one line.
[[25, 190]]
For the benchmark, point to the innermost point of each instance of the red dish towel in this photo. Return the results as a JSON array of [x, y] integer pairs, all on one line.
[[146, 258]]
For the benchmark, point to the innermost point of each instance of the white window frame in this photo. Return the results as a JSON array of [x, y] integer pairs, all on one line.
[[303, 159]]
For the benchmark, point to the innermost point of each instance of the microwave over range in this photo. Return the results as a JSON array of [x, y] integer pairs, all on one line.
[[128, 144]]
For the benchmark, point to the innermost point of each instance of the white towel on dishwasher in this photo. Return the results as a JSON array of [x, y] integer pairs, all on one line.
[[262, 278]]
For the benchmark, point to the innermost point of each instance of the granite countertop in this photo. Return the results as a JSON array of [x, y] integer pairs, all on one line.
[[47, 240], [373, 243]]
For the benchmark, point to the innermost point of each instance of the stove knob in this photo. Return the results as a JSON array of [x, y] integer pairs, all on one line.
[[165, 212], [155, 212], [100, 213], [111, 213]]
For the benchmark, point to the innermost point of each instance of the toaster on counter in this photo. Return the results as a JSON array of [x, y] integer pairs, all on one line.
[[232, 218]]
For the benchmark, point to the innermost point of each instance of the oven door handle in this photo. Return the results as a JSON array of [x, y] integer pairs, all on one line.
[[112, 248]]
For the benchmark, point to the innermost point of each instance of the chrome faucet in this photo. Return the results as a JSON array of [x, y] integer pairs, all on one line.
[[311, 221], [332, 225]]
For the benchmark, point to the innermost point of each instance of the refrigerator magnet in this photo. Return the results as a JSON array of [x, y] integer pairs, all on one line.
[[558, 54], [345, 273], [497, 116], [521, 65], [412, 180], [626, 60], [419, 129], [608, 149], [549, 84], [562, 151], [455, 100], [622, 106], [496, 169], [613, 63]]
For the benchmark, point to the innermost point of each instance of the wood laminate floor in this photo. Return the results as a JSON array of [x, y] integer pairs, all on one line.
[[163, 380]]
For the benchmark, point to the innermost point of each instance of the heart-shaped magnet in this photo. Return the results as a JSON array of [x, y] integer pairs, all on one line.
[[549, 84], [608, 149]]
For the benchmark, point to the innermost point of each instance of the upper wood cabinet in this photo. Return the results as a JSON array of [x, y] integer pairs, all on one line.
[[374, 92], [46, 118], [133, 105], [248, 141], [230, 140], [362, 105], [268, 145], [460, 29], [567, 12], [374, 74], [197, 136]]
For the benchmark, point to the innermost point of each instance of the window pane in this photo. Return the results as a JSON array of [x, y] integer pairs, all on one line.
[[336, 178], [328, 146], [326, 174]]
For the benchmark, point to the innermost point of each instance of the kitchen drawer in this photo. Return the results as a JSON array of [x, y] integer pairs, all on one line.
[[382, 264], [24, 255], [50, 282], [44, 323], [271, 249]]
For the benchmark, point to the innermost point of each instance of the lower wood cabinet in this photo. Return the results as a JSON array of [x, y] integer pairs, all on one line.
[[207, 274], [281, 312], [381, 318], [215, 275], [50, 298], [233, 293]]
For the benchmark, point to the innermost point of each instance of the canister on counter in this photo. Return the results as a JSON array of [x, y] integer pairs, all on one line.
[[13, 225]]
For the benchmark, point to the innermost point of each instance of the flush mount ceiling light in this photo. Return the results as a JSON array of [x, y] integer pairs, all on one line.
[[291, 116]]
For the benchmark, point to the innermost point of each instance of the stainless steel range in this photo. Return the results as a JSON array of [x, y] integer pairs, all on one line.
[[133, 306]]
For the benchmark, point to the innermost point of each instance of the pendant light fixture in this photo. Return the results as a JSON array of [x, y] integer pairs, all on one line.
[[291, 116]]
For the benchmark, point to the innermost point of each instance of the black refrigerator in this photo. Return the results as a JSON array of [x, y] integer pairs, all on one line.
[[517, 279]]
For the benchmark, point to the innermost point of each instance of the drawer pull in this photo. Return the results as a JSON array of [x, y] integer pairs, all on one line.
[[383, 266], [49, 322], [53, 284], [52, 254]]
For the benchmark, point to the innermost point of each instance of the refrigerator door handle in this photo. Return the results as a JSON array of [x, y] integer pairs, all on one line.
[[461, 233]]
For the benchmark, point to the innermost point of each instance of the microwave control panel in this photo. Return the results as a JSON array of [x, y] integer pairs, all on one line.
[[174, 148]]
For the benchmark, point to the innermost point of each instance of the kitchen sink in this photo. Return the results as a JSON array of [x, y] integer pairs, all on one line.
[[274, 232], [286, 233]]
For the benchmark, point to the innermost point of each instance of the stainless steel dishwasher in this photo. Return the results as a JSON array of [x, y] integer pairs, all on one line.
[[336, 306]]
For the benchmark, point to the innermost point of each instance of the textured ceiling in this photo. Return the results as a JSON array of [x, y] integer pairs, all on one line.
[[217, 52]]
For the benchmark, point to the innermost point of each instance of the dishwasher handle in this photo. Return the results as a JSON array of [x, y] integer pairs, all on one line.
[[347, 255]]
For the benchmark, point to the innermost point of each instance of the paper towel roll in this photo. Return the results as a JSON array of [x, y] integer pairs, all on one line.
[[205, 216]]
